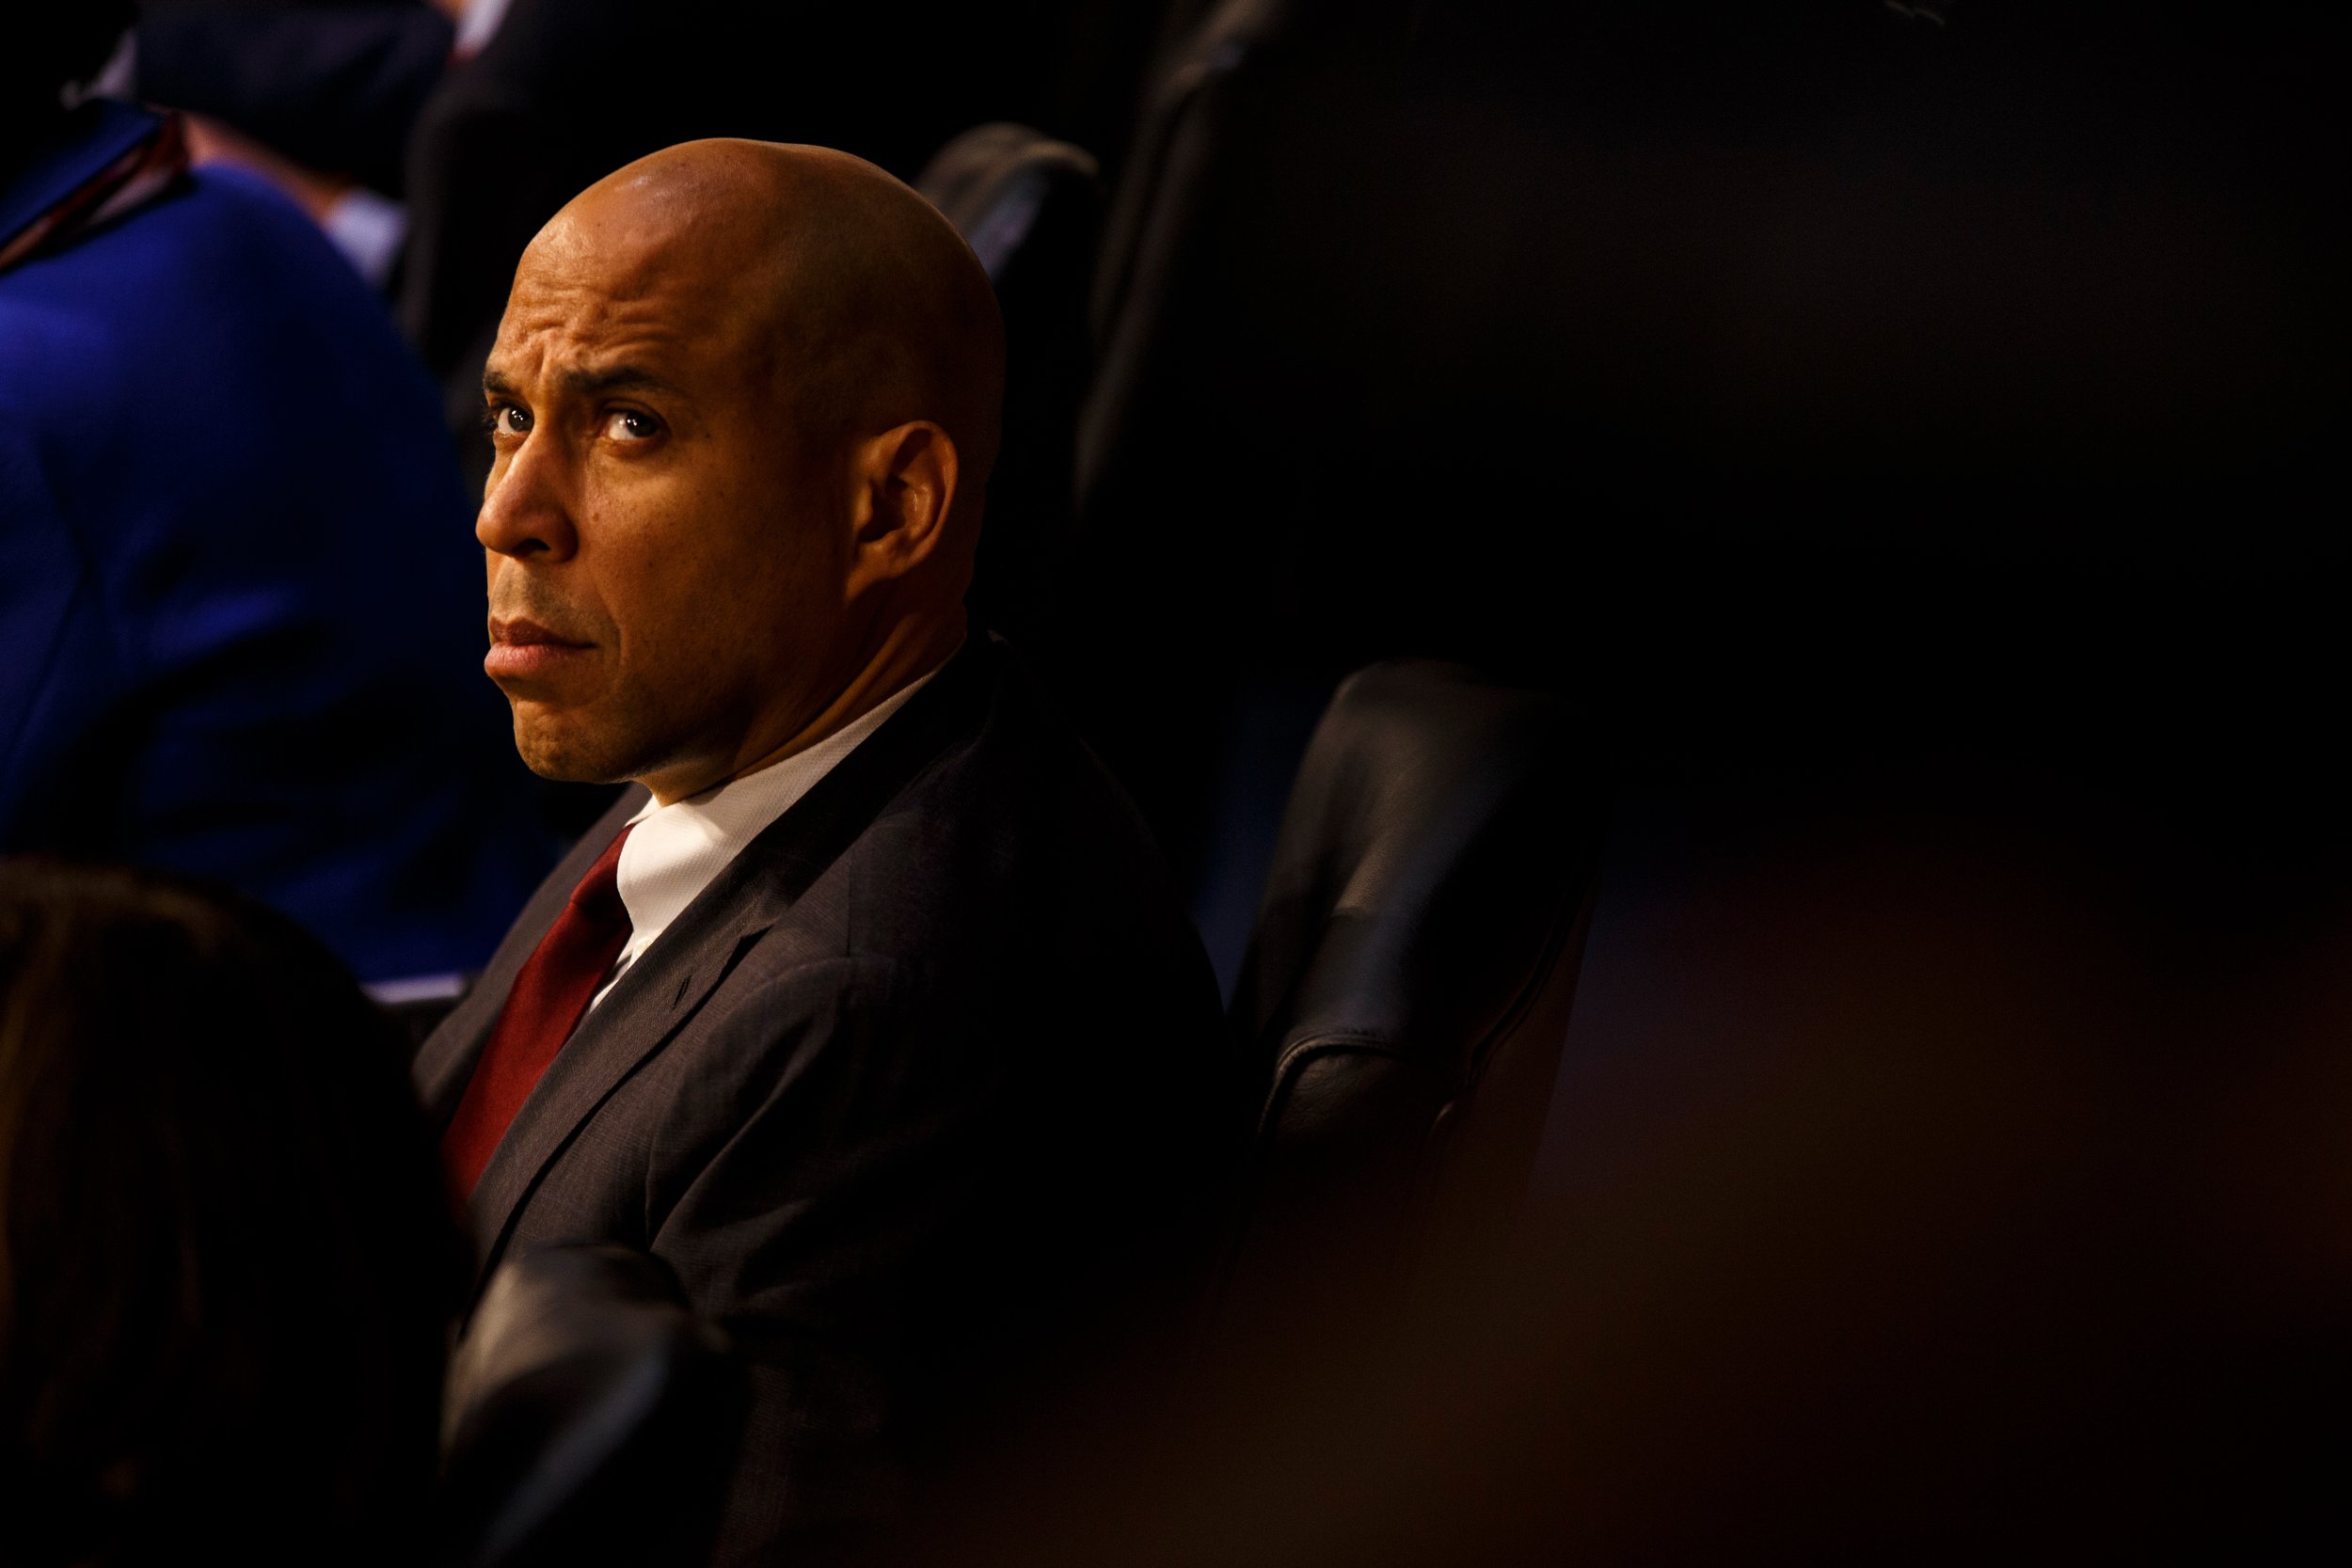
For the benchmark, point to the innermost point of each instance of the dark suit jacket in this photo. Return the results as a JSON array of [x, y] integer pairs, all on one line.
[[913, 1094]]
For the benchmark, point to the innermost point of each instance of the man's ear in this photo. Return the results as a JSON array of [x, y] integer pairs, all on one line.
[[906, 480]]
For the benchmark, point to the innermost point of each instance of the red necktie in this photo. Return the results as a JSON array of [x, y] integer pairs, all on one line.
[[550, 995]]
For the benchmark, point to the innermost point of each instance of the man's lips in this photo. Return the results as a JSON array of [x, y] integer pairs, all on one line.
[[521, 649]]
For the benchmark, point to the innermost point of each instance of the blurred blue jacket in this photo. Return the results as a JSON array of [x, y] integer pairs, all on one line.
[[241, 608]]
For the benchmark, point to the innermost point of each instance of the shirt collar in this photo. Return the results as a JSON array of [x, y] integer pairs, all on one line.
[[674, 851]]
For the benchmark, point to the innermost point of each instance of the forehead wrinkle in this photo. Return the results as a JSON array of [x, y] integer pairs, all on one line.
[[587, 307], [608, 368], [622, 376], [576, 337]]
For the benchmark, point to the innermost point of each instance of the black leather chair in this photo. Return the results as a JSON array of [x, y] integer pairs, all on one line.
[[1409, 982], [1004, 187], [1031, 208], [590, 1417]]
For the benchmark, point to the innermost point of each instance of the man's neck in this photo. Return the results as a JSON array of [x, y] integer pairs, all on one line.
[[913, 649]]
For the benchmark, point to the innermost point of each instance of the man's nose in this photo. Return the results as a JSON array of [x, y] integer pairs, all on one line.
[[526, 507]]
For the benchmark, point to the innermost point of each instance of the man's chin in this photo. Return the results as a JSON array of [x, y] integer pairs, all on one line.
[[562, 752]]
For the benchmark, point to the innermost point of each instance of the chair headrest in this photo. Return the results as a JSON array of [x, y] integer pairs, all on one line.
[[993, 182]]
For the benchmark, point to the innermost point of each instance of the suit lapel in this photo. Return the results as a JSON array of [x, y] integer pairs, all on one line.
[[446, 1060], [647, 1005], [663, 989]]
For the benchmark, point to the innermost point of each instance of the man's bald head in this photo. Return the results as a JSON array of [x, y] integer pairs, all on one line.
[[744, 401], [875, 308]]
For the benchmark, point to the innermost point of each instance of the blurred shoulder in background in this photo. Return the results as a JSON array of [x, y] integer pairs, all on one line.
[[239, 597]]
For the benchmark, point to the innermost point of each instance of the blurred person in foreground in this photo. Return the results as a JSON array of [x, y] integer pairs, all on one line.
[[868, 1007], [227, 1272], [232, 640]]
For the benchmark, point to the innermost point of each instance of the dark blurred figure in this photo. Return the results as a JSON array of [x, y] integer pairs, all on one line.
[[239, 637], [334, 87], [227, 1268], [317, 98]]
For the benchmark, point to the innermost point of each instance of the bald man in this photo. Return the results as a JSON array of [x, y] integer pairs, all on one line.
[[868, 1007]]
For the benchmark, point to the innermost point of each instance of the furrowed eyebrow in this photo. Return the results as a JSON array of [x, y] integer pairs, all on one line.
[[620, 378]]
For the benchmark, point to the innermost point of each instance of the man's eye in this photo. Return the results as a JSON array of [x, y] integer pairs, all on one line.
[[505, 419], [626, 424]]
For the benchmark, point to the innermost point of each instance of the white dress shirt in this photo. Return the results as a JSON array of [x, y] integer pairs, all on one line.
[[674, 851]]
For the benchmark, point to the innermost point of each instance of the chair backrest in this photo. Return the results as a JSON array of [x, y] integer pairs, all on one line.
[[1409, 981], [1196, 452], [1198, 109], [590, 1417], [1031, 208], [1003, 186]]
